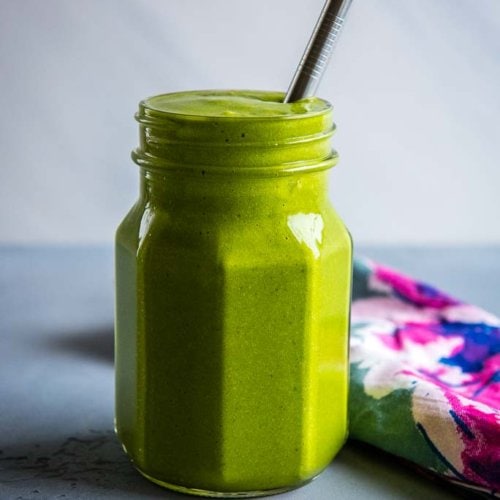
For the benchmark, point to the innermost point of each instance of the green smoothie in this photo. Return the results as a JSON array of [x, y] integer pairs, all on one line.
[[233, 276]]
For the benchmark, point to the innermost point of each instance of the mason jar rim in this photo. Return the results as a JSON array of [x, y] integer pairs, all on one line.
[[274, 140]]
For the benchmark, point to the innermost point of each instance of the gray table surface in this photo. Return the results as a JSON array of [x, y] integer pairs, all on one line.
[[56, 379]]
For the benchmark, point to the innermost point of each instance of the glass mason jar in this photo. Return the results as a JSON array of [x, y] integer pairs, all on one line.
[[233, 276]]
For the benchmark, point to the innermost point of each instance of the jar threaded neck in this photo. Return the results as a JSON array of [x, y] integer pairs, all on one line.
[[279, 141]]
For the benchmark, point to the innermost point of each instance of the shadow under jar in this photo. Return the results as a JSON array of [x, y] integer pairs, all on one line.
[[233, 276]]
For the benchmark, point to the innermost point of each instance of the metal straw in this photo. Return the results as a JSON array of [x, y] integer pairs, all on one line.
[[318, 50]]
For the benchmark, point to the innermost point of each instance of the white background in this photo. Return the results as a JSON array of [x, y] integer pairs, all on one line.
[[415, 85]]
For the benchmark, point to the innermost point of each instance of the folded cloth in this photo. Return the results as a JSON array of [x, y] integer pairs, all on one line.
[[425, 377]]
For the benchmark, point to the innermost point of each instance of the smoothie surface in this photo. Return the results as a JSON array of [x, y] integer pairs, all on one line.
[[241, 104]]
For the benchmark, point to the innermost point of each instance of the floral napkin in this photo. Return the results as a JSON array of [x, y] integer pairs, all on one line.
[[425, 377]]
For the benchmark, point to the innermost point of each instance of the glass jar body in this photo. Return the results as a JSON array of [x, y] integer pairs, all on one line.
[[232, 320]]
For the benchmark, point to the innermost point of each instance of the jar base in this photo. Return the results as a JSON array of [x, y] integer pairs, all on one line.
[[222, 494]]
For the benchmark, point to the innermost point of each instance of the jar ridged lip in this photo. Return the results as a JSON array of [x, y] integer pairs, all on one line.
[[285, 169], [239, 131]]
